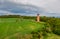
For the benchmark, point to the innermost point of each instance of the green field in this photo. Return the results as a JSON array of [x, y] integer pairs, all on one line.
[[12, 26]]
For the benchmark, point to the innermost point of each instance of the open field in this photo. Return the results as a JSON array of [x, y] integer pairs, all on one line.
[[16, 28], [10, 27]]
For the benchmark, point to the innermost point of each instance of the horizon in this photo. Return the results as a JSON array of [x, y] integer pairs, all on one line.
[[29, 15]]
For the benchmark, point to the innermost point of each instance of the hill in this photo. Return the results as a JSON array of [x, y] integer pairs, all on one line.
[[10, 26], [26, 27]]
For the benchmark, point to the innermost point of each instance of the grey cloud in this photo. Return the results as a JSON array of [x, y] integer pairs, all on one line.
[[20, 8], [24, 9]]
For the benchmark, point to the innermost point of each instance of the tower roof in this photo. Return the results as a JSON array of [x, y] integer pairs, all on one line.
[[38, 14]]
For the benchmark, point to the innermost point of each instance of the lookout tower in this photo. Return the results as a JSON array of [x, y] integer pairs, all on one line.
[[38, 18]]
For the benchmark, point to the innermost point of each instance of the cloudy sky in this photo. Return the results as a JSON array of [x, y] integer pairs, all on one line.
[[30, 7]]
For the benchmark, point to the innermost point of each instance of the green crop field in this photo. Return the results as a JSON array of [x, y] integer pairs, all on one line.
[[11, 26]]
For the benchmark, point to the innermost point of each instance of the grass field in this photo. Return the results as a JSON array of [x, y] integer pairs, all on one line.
[[12, 26]]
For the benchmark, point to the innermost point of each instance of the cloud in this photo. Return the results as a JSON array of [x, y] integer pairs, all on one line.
[[49, 5], [20, 8], [10, 7], [30, 7]]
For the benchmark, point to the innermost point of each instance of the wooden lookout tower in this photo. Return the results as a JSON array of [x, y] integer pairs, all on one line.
[[38, 18]]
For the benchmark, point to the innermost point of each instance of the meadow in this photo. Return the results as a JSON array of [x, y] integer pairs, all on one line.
[[28, 28], [13, 26]]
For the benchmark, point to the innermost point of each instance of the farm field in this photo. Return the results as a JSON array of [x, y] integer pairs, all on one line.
[[11, 27]]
